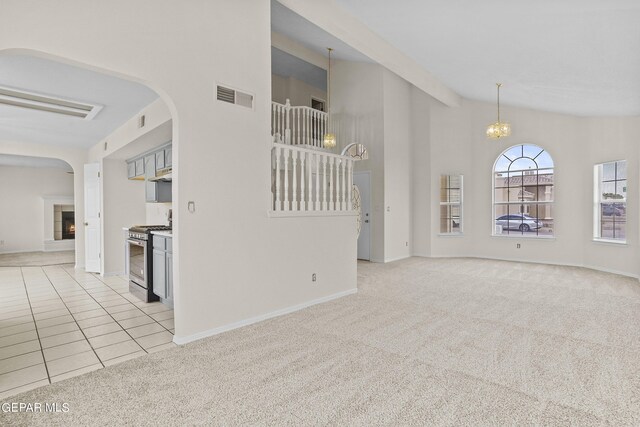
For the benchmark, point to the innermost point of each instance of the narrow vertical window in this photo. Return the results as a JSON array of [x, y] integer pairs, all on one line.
[[523, 188], [610, 201], [450, 204]]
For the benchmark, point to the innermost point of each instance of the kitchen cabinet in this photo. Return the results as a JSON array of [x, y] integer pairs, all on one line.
[[131, 170], [135, 169], [163, 268], [140, 167], [167, 157], [155, 191], [160, 160], [160, 272]]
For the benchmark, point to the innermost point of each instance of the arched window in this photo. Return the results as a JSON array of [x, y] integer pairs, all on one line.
[[523, 192]]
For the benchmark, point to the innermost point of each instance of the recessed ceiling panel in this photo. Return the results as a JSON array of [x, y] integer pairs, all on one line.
[[119, 100]]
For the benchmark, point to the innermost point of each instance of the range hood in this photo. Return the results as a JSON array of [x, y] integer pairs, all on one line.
[[162, 175]]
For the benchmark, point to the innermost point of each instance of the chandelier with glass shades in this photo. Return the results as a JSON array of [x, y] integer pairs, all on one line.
[[498, 129], [329, 140]]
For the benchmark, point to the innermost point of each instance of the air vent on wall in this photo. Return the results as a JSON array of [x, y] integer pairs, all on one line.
[[233, 96], [34, 101]]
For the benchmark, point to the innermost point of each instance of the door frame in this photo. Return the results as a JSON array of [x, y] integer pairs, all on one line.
[[94, 223], [368, 175]]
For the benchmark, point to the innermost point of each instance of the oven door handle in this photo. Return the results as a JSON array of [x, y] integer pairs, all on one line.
[[137, 243]]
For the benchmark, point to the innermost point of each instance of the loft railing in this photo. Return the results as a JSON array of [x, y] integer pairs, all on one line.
[[297, 125], [309, 180]]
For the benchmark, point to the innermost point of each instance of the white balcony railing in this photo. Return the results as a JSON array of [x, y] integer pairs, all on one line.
[[297, 125], [309, 180]]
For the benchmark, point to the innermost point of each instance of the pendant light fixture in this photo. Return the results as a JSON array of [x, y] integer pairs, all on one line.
[[329, 140], [498, 129]]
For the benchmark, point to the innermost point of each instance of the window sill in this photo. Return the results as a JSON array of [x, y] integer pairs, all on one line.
[[450, 235], [521, 236], [610, 242]]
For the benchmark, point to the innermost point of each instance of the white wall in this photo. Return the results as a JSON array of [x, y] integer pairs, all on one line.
[[357, 115], [231, 261], [421, 173], [458, 145], [298, 92], [397, 167], [157, 213], [76, 159], [373, 106], [123, 200], [22, 216], [123, 206]]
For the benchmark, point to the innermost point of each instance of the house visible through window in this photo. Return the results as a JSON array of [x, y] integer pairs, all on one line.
[[610, 201], [523, 192], [450, 204]]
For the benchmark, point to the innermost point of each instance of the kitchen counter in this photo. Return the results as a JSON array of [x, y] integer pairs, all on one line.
[[164, 233]]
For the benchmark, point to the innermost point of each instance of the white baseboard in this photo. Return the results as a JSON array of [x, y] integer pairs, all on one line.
[[565, 264], [59, 245], [215, 331], [113, 273], [22, 251], [398, 258]]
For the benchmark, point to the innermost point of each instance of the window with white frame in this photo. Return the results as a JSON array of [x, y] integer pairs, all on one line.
[[610, 201], [523, 188], [450, 204]]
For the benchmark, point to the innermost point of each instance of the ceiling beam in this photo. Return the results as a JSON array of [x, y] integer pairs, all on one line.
[[292, 47], [336, 21]]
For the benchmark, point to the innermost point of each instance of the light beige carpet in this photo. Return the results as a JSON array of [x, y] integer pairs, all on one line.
[[37, 259], [424, 342]]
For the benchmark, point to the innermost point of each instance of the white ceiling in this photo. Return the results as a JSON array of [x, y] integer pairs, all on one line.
[[578, 57], [295, 27], [287, 65], [33, 162], [121, 99]]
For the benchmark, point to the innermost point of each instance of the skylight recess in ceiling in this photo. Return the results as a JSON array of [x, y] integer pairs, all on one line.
[[39, 102]]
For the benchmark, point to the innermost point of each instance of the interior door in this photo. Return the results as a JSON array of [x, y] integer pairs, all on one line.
[[363, 181], [92, 235]]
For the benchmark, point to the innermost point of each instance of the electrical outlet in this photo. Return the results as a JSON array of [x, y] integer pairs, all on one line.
[[313, 277], [517, 245]]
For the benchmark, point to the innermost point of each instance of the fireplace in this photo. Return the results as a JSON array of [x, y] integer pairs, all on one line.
[[68, 225]]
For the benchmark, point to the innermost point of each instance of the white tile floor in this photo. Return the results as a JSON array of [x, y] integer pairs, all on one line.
[[56, 323]]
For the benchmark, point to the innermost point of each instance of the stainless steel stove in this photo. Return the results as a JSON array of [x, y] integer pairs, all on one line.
[[141, 261]]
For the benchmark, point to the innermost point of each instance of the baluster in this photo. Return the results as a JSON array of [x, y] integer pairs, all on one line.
[[296, 125], [307, 131], [315, 128], [294, 172], [320, 130], [343, 202], [349, 183], [309, 182], [331, 205], [286, 178], [273, 107], [324, 184], [323, 129], [338, 186], [287, 123], [316, 203], [278, 206], [303, 156]]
